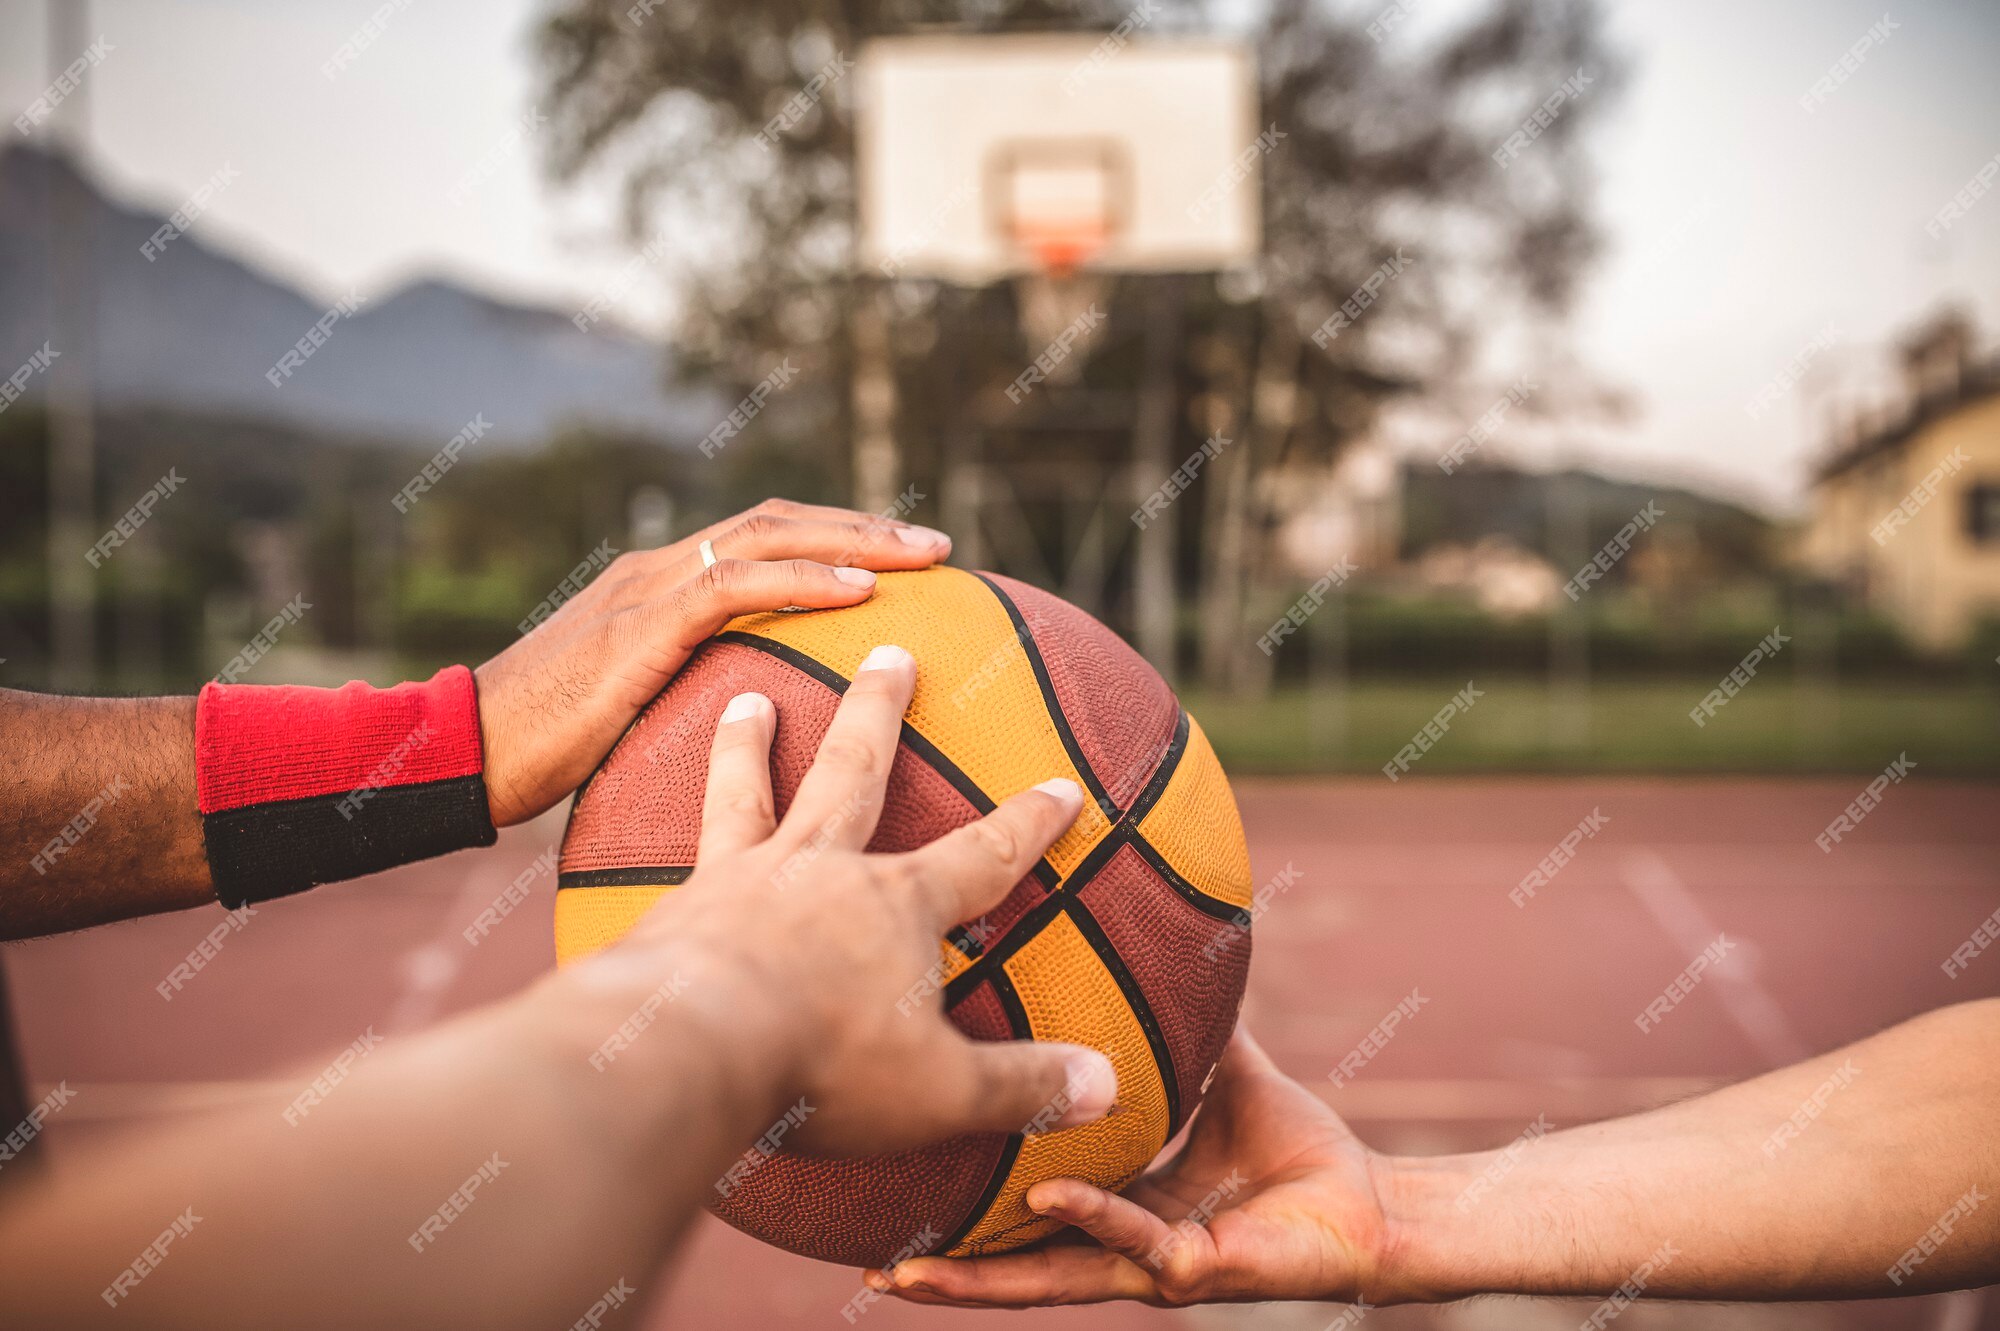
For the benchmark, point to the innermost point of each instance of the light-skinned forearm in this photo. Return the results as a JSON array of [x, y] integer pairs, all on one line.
[[311, 1223], [1810, 1182], [98, 814]]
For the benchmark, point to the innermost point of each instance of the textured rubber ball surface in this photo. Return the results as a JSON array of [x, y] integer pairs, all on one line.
[[1131, 937]]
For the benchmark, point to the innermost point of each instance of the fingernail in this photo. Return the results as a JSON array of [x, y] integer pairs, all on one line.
[[884, 657], [744, 706], [857, 577], [1090, 1086], [875, 1280], [1066, 792], [921, 536]]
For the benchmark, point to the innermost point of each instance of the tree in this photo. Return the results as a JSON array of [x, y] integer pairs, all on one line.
[[1392, 154]]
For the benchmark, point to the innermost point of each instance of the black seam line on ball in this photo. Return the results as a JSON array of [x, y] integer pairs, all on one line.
[[1194, 896], [639, 875], [1017, 1021], [1135, 998], [1031, 923], [1052, 704], [989, 964], [1123, 833], [933, 757], [1156, 785]]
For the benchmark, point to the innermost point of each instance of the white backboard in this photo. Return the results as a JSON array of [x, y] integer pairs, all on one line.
[[964, 142]]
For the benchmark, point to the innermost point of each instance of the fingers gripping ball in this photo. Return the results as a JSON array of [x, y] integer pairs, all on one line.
[[1131, 936]]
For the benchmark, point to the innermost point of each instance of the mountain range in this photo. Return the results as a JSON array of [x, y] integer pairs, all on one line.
[[196, 329]]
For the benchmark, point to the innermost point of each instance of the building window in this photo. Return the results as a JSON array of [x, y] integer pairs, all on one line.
[[1982, 512]]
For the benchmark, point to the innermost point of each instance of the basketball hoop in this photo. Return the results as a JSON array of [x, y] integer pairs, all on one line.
[[980, 156], [1028, 158], [1060, 207], [1061, 312], [1060, 246]]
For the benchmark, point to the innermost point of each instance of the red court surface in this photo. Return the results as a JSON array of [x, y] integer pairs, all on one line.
[[1527, 1010]]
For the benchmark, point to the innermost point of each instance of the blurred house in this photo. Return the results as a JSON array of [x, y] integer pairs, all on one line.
[[1495, 574], [1906, 510]]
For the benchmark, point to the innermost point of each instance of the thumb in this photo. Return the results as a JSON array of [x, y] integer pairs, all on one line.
[[969, 871], [1025, 1086]]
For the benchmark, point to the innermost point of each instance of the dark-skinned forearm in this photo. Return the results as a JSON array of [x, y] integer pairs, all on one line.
[[98, 812]]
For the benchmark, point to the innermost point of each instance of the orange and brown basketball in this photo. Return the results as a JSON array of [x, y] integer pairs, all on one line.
[[1129, 937]]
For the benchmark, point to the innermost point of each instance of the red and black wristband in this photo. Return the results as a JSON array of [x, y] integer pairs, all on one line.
[[299, 786]]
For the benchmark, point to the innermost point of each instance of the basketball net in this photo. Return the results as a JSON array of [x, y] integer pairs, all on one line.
[[1059, 304]]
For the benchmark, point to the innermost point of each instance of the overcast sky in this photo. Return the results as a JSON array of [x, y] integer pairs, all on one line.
[[1741, 225]]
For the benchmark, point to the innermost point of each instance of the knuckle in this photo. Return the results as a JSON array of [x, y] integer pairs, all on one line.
[[905, 872], [1179, 1281], [745, 804], [994, 1080], [849, 755], [864, 532], [1089, 1207], [896, 878], [776, 505], [756, 526], [721, 578], [623, 574], [1000, 840]]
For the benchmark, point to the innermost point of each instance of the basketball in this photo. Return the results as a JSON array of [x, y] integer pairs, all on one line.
[[1131, 936]]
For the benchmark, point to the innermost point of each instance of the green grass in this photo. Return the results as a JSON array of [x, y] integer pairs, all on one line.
[[1773, 726]]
